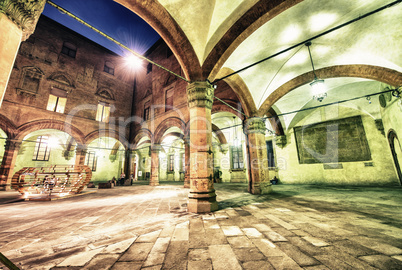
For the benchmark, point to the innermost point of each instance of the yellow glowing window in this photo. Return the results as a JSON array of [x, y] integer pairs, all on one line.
[[103, 112], [56, 104]]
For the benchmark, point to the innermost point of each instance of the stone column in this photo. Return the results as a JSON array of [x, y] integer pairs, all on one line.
[[18, 20], [80, 153], [187, 163], [254, 129], [8, 163], [155, 150], [202, 197]]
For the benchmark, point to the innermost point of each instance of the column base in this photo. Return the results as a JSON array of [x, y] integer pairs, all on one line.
[[154, 183], [5, 187], [261, 188], [186, 185], [202, 202]]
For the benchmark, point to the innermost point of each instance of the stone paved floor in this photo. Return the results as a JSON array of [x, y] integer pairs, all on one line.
[[142, 227]]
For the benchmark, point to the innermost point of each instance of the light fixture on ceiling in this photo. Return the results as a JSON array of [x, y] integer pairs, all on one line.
[[236, 141], [318, 87]]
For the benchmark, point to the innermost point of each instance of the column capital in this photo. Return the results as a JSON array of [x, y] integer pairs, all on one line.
[[12, 144], [200, 94], [254, 125], [24, 14], [81, 149]]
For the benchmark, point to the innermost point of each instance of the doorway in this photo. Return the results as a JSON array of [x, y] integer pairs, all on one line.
[[396, 153]]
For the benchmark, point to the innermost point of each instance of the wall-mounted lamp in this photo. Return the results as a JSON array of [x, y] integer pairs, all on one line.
[[318, 87]]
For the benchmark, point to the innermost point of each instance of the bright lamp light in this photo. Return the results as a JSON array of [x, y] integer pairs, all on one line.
[[134, 61]]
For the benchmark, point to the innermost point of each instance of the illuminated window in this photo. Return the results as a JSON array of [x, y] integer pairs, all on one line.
[[69, 49], [146, 111], [169, 100], [108, 68], [103, 112], [42, 149], [91, 160], [57, 100], [237, 157], [171, 163]]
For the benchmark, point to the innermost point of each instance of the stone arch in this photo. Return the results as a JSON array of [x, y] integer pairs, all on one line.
[[241, 90], [168, 123], [381, 74], [224, 108], [160, 19], [141, 133], [392, 137], [27, 128], [219, 134], [106, 133], [8, 126]]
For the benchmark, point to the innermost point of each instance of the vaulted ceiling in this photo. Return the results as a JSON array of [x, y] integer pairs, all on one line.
[[212, 36]]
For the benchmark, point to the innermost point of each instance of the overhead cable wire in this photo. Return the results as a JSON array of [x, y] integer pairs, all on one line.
[[114, 40], [310, 39]]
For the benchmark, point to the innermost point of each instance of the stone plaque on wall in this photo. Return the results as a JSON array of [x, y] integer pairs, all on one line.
[[342, 140]]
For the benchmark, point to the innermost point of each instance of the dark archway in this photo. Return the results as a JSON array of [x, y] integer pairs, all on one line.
[[395, 148]]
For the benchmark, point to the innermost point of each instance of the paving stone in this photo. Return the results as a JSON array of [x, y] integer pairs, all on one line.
[[283, 262], [376, 245], [176, 255], [296, 254], [137, 252], [354, 248], [284, 224], [262, 227], [240, 242], [315, 241], [252, 232], [231, 230], [127, 265], [332, 262], [305, 246], [149, 237], [267, 247], [161, 245], [154, 258], [215, 237], [167, 232], [102, 262], [119, 247], [398, 257], [248, 254], [316, 267], [383, 262], [199, 254], [80, 259], [275, 237], [223, 258], [155, 267], [260, 265], [181, 232], [199, 265]]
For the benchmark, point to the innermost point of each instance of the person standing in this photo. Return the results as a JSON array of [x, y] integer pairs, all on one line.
[[122, 178]]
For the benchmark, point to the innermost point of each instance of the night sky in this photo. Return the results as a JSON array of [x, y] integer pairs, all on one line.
[[109, 17]]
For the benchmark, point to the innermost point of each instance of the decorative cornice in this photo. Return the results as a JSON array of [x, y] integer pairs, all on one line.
[[200, 94], [24, 13], [254, 125]]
